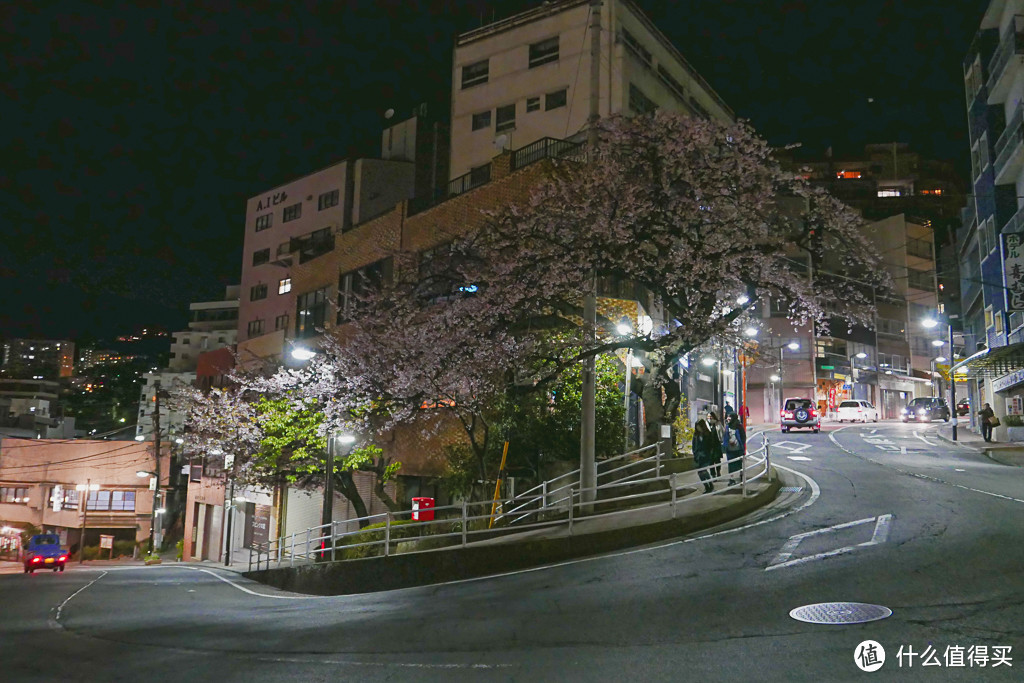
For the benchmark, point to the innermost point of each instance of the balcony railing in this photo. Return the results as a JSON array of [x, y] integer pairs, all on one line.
[[312, 245], [920, 248], [1009, 141], [546, 148], [1011, 43]]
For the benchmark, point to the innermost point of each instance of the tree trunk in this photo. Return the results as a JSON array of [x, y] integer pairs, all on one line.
[[346, 485]]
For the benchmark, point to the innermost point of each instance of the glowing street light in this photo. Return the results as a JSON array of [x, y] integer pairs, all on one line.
[[623, 329], [938, 342], [793, 346], [742, 299], [302, 353], [861, 355], [929, 322], [751, 331]]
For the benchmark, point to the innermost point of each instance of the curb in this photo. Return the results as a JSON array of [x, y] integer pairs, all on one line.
[[374, 574]]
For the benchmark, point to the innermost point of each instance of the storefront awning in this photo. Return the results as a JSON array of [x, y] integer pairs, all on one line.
[[996, 362]]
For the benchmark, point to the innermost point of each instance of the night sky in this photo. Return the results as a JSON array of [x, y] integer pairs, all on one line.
[[133, 133]]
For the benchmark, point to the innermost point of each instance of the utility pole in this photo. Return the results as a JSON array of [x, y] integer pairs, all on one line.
[[156, 469], [85, 519], [588, 472], [327, 515]]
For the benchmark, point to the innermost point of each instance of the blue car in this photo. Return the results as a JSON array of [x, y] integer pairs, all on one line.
[[44, 552]]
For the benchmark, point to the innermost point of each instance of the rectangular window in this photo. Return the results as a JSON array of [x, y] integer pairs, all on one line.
[[255, 328], [544, 52], [889, 192], [112, 501], [261, 256], [999, 322], [675, 86], [639, 102], [482, 120], [506, 118], [989, 321], [311, 309], [14, 494], [292, 212], [265, 221], [327, 200], [920, 279], [284, 285], [634, 46], [475, 74], [281, 322], [532, 104], [983, 152], [554, 100], [355, 284], [257, 292]]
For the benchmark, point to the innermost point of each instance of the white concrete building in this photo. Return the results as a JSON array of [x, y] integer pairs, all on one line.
[[212, 325], [525, 78]]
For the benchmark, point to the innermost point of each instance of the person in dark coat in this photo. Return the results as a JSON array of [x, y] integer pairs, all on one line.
[[719, 432], [706, 450], [986, 414], [735, 444]]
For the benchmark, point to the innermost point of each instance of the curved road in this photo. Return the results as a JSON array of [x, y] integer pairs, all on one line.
[[886, 514]]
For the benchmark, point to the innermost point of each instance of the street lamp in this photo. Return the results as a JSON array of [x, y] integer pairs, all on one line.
[[328, 508], [302, 353], [929, 323], [625, 329], [86, 487]]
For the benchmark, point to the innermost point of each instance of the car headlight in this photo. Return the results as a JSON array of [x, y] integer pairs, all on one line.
[[921, 412], [904, 411]]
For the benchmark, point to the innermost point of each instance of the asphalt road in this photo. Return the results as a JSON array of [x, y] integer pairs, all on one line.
[[936, 536]]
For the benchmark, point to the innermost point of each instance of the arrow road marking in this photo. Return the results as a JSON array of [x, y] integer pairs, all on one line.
[[879, 536], [792, 446]]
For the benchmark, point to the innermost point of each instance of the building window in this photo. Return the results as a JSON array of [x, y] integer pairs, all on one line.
[[284, 285], [258, 292], [675, 86], [634, 46], [281, 322], [113, 501], [68, 497], [921, 279], [849, 175], [475, 74], [639, 102], [12, 494], [482, 120], [544, 52], [292, 212], [261, 256], [889, 192], [554, 100], [506, 118], [265, 221], [310, 312], [532, 104], [999, 322], [255, 328], [355, 284], [327, 200]]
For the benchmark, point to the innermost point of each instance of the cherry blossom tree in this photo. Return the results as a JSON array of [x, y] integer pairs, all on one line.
[[688, 216]]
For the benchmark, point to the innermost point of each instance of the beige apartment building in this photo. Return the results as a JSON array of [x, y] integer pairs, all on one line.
[[39, 480], [527, 77]]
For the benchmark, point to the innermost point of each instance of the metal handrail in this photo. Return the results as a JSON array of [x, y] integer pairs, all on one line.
[[314, 544]]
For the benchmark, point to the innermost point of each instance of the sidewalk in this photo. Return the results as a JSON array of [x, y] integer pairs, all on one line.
[[1005, 453]]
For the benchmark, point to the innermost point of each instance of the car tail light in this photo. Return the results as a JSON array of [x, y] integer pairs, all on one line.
[[812, 413], [782, 413], [63, 558], [37, 559]]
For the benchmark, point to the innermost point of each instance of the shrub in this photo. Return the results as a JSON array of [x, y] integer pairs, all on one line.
[[124, 548], [91, 552], [374, 533], [1013, 421]]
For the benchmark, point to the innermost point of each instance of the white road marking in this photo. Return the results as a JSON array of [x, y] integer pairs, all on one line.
[[919, 436], [55, 622], [798, 457], [879, 536], [792, 446], [959, 470]]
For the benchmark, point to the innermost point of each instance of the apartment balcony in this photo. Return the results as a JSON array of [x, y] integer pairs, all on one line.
[[1009, 158], [312, 245], [283, 257], [1006, 61]]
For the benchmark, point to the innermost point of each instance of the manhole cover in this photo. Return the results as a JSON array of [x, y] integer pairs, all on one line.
[[840, 613]]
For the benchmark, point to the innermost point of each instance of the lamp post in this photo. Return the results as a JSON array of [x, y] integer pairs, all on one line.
[[930, 323], [156, 502], [328, 508], [624, 329], [86, 487]]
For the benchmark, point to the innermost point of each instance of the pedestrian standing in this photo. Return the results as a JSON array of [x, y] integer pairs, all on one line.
[[987, 416], [735, 446], [719, 432], [706, 450]]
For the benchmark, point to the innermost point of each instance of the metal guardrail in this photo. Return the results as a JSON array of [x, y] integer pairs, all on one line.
[[546, 148], [559, 505]]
